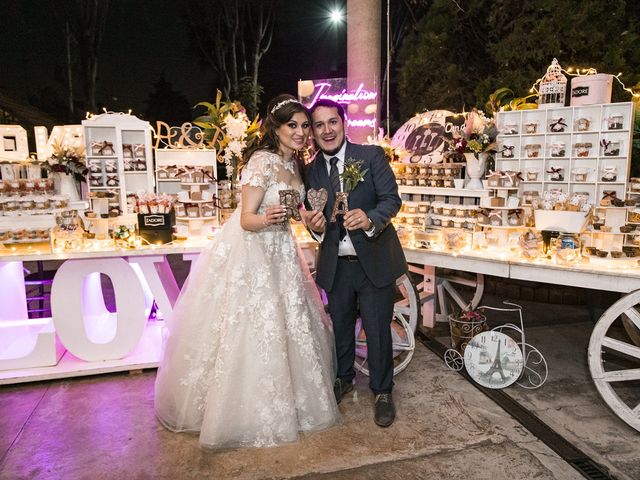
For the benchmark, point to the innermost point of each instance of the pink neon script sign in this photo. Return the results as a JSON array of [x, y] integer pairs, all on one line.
[[344, 96]]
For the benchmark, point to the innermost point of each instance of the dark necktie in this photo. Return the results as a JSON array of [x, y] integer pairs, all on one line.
[[334, 176], [335, 184]]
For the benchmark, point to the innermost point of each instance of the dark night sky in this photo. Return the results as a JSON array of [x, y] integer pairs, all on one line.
[[146, 39]]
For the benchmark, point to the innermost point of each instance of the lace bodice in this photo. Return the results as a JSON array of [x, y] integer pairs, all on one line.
[[272, 173]]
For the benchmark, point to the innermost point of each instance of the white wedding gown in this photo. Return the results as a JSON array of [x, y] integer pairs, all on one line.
[[248, 356]]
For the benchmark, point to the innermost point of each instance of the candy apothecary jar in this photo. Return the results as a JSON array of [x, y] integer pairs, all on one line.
[[567, 247], [68, 233]]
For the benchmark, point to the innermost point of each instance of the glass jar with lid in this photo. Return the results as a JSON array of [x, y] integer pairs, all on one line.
[[567, 248]]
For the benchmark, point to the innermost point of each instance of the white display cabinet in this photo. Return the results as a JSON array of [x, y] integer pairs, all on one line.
[[573, 149], [195, 209], [170, 160], [431, 208], [119, 155]]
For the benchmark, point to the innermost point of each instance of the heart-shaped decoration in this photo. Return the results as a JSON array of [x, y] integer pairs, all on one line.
[[317, 198]]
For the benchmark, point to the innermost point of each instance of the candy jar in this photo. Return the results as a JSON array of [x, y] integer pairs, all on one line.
[[530, 243], [567, 248], [68, 232]]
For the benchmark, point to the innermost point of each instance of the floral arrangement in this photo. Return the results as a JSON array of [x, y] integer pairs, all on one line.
[[352, 174], [392, 154], [477, 135], [227, 128], [68, 159]]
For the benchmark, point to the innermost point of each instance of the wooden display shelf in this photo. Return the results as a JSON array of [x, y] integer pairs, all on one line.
[[213, 217], [503, 227], [195, 201], [442, 191]]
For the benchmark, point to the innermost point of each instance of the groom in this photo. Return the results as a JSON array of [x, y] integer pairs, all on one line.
[[360, 255]]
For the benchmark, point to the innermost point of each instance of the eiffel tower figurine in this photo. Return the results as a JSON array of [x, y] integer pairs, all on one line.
[[496, 367]]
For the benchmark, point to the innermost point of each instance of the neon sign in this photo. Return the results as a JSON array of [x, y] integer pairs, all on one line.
[[344, 96], [360, 104]]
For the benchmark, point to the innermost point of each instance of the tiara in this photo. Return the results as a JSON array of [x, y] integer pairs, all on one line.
[[281, 104]]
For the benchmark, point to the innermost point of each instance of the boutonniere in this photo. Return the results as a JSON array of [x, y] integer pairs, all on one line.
[[352, 174]]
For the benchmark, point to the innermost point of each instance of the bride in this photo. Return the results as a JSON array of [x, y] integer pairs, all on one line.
[[248, 359]]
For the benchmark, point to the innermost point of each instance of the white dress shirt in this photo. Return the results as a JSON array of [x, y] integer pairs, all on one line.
[[345, 247]]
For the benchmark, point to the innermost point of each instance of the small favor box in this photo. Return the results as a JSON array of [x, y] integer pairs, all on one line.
[[156, 228]]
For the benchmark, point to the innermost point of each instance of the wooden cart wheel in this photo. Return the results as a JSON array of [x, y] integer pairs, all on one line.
[[614, 361], [632, 330], [457, 290], [406, 314]]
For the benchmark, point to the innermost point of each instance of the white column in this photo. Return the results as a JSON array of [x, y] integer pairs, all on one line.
[[364, 25]]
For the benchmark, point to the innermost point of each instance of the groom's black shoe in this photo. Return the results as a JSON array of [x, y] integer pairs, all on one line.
[[341, 388], [385, 410]]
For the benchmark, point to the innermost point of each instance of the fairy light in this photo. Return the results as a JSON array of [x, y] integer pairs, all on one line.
[[579, 72]]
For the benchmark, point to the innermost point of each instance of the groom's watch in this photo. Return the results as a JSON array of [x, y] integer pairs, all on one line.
[[371, 226]]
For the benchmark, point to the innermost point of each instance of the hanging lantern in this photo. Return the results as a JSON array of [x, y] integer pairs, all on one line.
[[552, 87]]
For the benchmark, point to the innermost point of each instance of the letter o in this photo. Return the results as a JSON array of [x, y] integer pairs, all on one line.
[[70, 313]]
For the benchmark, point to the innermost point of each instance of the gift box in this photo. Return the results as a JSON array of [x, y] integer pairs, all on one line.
[[533, 150], [583, 124], [556, 174], [609, 174], [511, 178], [494, 179], [591, 89], [156, 228], [614, 122]]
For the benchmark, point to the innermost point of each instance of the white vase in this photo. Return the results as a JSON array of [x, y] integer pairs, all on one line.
[[475, 169], [66, 185]]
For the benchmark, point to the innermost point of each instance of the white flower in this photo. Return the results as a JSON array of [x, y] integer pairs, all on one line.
[[236, 127], [236, 147]]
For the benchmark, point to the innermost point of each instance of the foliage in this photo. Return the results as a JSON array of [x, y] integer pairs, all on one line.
[[462, 52], [352, 174], [228, 129], [231, 38], [67, 159], [503, 99]]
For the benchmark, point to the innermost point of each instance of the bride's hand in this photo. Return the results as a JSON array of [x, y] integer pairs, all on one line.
[[274, 214]]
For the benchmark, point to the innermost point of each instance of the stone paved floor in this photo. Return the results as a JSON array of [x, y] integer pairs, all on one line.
[[104, 427]]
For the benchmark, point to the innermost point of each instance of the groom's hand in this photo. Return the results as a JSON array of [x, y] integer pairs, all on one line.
[[314, 219], [355, 219]]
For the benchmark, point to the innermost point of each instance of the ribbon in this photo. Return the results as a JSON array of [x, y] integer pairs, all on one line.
[[605, 144], [112, 181], [515, 213], [126, 147], [609, 194], [207, 174], [495, 213], [508, 148], [558, 123], [105, 144], [512, 176], [484, 212], [555, 170], [500, 173]]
